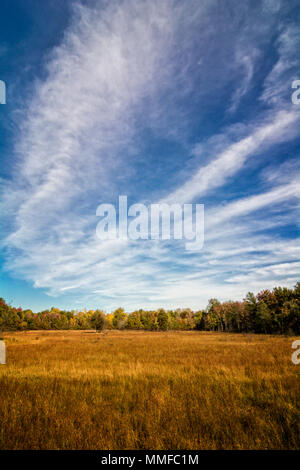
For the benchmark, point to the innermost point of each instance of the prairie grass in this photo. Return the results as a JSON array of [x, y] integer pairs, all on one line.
[[148, 390]]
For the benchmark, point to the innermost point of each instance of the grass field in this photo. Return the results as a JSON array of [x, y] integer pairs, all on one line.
[[148, 390]]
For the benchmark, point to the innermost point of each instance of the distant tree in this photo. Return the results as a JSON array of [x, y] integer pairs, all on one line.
[[98, 320], [109, 320], [292, 316], [296, 291], [146, 320], [134, 321], [276, 311], [282, 294], [199, 320], [163, 320], [212, 317], [119, 318], [264, 318], [251, 308]]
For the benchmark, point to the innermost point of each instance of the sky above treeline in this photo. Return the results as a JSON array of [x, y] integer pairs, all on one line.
[[180, 101]]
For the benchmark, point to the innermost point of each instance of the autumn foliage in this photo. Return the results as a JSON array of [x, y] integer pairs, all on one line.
[[276, 311]]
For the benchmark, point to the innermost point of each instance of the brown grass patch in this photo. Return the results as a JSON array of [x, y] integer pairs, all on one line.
[[148, 390]]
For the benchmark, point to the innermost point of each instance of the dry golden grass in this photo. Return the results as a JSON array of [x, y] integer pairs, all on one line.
[[148, 390]]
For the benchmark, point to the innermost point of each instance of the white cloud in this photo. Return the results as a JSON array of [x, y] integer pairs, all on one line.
[[246, 61], [77, 142], [232, 159], [243, 207], [277, 85]]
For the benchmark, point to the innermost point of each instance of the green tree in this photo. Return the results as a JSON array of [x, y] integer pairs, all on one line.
[[264, 318], [98, 320], [199, 320], [134, 321], [212, 317], [251, 308], [147, 320], [292, 316], [163, 320], [119, 318]]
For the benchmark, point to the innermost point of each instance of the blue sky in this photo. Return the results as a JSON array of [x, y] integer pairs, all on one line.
[[177, 101]]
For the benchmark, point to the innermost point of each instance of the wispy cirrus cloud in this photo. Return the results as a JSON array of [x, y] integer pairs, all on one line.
[[242, 207], [129, 84], [276, 88], [246, 60], [231, 160]]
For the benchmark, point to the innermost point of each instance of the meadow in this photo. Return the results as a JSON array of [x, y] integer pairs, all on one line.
[[148, 390]]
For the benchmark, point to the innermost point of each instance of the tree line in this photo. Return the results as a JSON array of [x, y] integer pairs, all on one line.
[[270, 311]]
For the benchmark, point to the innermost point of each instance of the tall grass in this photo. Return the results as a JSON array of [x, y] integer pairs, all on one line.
[[148, 390]]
